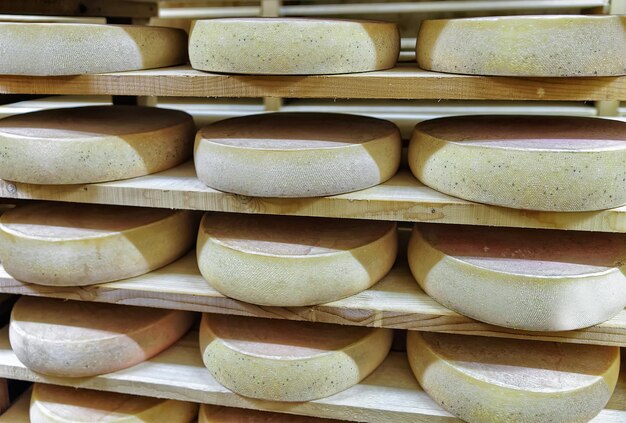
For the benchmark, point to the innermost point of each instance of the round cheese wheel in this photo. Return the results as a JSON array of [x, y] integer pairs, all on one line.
[[66, 244], [283, 360], [551, 163], [219, 414], [567, 45], [492, 380], [292, 46], [297, 154], [44, 49], [77, 339], [293, 261], [93, 144], [61, 404], [528, 279]]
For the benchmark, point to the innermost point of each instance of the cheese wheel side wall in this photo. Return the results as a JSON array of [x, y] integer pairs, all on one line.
[[307, 378], [521, 179], [474, 400], [111, 257], [512, 300], [291, 281]]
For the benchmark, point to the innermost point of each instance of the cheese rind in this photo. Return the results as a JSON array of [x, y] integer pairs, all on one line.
[[45, 49], [293, 261], [77, 339], [544, 163], [297, 154], [292, 46], [566, 45], [63, 244], [60, 404], [218, 414], [93, 144], [281, 360], [493, 380]]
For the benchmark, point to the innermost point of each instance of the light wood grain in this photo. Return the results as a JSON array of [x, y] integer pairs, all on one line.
[[401, 198], [402, 82], [395, 302]]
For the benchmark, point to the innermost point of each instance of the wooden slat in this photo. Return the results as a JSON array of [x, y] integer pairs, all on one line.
[[401, 198], [395, 302], [104, 8], [402, 82], [19, 410]]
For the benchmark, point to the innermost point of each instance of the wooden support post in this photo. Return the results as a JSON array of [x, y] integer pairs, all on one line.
[[269, 9]]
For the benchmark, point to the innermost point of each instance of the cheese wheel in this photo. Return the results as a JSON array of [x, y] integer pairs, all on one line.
[[64, 244], [527, 279], [293, 261], [219, 414], [292, 46], [93, 144], [567, 45], [44, 49], [297, 154], [62, 404], [283, 360], [78, 339], [493, 380], [551, 163]]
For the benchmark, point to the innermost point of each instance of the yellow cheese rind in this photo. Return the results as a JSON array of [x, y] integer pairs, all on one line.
[[274, 260], [537, 163], [219, 414], [75, 339], [493, 380], [297, 154], [44, 49], [282, 360], [93, 144], [60, 404], [292, 46], [567, 45], [532, 299], [62, 244]]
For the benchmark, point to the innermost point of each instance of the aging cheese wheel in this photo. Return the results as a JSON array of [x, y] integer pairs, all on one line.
[[43, 49], [494, 380], [297, 154], [292, 46], [66, 244], [282, 360], [93, 144], [219, 414], [61, 404], [528, 279], [525, 45], [546, 163], [293, 261], [77, 339]]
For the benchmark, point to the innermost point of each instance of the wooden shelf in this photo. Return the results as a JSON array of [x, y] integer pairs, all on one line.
[[402, 198], [402, 82], [395, 302]]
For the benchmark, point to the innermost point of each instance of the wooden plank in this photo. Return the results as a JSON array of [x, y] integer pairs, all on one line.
[[395, 302], [18, 412], [104, 8], [402, 82], [402, 198]]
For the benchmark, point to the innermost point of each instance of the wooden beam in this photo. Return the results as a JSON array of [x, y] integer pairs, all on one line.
[[105, 8]]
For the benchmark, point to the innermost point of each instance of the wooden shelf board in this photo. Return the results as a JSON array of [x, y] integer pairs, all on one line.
[[401, 198], [395, 302], [401, 82]]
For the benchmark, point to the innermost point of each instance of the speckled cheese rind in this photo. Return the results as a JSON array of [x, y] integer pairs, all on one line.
[[282, 360], [494, 380], [565, 45], [80, 339], [292, 46], [548, 163], [526, 279], [93, 144], [64, 244], [46, 49], [219, 414], [297, 154], [293, 261]]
